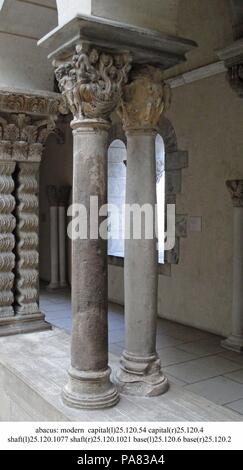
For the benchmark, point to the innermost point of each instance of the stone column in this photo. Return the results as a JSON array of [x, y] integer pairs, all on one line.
[[52, 194], [91, 82], [7, 225], [143, 102], [64, 193], [235, 341], [26, 121], [28, 153]]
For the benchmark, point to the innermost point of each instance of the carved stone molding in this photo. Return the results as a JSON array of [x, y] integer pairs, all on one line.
[[175, 161], [27, 283], [7, 240], [92, 80], [235, 78], [235, 188], [144, 98], [13, 101]]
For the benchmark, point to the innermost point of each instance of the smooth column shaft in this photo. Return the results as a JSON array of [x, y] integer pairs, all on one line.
[[89, 257], [140, 255], [140, 370], [89, 383]]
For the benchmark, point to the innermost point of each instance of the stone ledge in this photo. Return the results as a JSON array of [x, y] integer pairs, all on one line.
[[145, 45], [33, 372], [19, 324]]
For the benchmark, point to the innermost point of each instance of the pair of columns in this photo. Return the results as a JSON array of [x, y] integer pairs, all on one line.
[[58, 199], [25, 122], [95, 83]]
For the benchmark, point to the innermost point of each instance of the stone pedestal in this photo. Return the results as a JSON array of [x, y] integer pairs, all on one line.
[[235, 341], [143, 102], [26, 120]]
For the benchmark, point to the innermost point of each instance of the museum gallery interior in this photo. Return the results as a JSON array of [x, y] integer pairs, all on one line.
[[126, 103]]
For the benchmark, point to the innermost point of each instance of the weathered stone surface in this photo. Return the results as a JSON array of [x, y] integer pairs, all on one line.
[[176, 160], [181, 226], [7, 240], [27, 267], [145, 45], [233, 59], [26, 120], [31, 383], [235, 188], [173, 256], [143, 102], [25, 102], [144, 99], [92, 84], [173, 182], [92, 81]]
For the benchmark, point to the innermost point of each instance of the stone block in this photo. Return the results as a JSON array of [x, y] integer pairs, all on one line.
[[181, 226], [173, 182], [176, 160]]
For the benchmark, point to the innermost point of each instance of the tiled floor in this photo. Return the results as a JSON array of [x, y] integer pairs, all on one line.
[[191, 358]]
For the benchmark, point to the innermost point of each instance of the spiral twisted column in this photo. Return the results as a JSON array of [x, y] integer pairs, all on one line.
[[26, 120], [7, 239]]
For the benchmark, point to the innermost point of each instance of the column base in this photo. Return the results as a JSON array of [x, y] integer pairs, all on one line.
[[141, 377], [6, 312], [52, 287], [63, 285], [233, 343], [20, 324], [90, 390]]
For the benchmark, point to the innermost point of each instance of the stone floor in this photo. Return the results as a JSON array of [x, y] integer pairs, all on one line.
[[33, 372], [191, 358]]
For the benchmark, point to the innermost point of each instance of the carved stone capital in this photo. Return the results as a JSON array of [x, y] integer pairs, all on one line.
[[22, 137], [144, 99], [235, 78], [235, 188], [92, 81]]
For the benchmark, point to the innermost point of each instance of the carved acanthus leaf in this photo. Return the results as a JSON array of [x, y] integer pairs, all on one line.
[[24, 103], [235, 78], [22, 137], [92, 81], [235, 188], [144, 98]]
